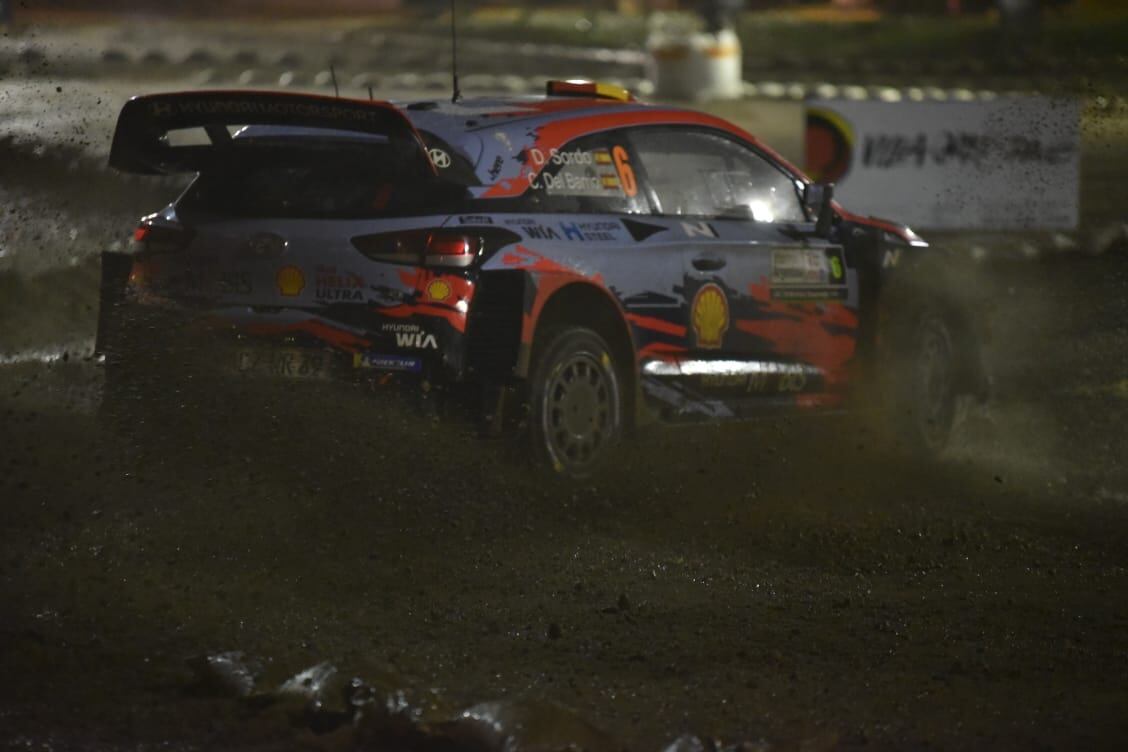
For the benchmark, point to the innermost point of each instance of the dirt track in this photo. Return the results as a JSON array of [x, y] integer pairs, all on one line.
[[799, 583], [793, 583]]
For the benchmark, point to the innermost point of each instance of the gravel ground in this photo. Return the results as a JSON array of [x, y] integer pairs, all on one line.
[[792, 585]]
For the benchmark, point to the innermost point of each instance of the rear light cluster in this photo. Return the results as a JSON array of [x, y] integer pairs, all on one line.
[[442, 248]]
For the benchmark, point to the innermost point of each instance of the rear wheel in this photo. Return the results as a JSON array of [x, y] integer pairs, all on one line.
[[575, 402]]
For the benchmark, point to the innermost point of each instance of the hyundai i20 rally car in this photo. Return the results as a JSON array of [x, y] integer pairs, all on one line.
[[599, 259]]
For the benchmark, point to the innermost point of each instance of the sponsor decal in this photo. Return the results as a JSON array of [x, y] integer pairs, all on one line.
[[837, 272], [411, 335], [503, 138], [590, 232], [808, 274], [625, 171], [439, 158], [378, 362], [572, 231], [437, 290], [891, 259], [290, 281], [557, 157], [416, 340], [541, 232], [699, 230], [571, 184], [335, 286], [765, 378], [792, 381], [808, 294], [710, 316], [728, 380], [475, 219], [582, 173], [401, 328], [520, 221], [495, 168], [799, 266]]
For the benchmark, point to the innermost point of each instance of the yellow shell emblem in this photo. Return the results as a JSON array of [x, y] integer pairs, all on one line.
[[438, 289], [291, 281], [710, 315]]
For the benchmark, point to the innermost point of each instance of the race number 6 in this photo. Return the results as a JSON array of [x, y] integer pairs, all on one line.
[[626, 174]]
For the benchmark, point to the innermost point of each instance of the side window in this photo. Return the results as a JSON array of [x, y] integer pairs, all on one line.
[[701, 173], [593, 174]]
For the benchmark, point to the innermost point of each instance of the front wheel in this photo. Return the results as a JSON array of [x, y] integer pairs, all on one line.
[[926, 406], [575, 402]]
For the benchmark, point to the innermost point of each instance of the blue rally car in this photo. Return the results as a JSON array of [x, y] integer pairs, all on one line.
[[581, 258]]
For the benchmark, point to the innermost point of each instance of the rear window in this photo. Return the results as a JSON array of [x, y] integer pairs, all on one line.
[[287, 178]]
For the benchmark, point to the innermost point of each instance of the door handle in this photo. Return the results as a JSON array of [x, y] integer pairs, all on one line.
[[708, 263]]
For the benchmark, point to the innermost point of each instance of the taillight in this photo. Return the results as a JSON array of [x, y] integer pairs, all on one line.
[[451, 249], [444, 248], [150, 237]]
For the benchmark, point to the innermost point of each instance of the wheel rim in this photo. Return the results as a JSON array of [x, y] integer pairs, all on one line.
[[579, 410], [934, 382]]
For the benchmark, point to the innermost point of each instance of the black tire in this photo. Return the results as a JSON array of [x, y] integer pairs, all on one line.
[[928, 385], [575, 402]]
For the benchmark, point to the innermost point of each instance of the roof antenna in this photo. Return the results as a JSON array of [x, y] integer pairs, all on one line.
[[333, 75], [454, 53], [370, 97]]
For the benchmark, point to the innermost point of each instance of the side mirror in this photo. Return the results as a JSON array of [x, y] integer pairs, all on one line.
[[818, 198]]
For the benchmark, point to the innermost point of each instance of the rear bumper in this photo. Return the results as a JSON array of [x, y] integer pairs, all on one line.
[[151, 337]]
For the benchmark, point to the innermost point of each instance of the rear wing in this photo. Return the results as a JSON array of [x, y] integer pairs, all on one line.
[[141, 143]]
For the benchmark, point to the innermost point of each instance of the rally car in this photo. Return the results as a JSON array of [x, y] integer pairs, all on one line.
[[583, 260]]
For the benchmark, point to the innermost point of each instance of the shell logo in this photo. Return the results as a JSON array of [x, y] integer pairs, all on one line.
[[438, 289], [710, 316], [291, 281]]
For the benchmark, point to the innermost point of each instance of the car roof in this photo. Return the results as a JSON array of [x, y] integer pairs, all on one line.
[[493, 135]]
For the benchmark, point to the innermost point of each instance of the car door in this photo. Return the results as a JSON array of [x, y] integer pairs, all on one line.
[[770, 308], [587, 214]]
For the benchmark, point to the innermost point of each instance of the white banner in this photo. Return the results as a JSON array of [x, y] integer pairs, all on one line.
[[1011, 163]]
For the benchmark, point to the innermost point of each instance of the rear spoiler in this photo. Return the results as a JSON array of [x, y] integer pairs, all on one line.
[[140, 144]]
